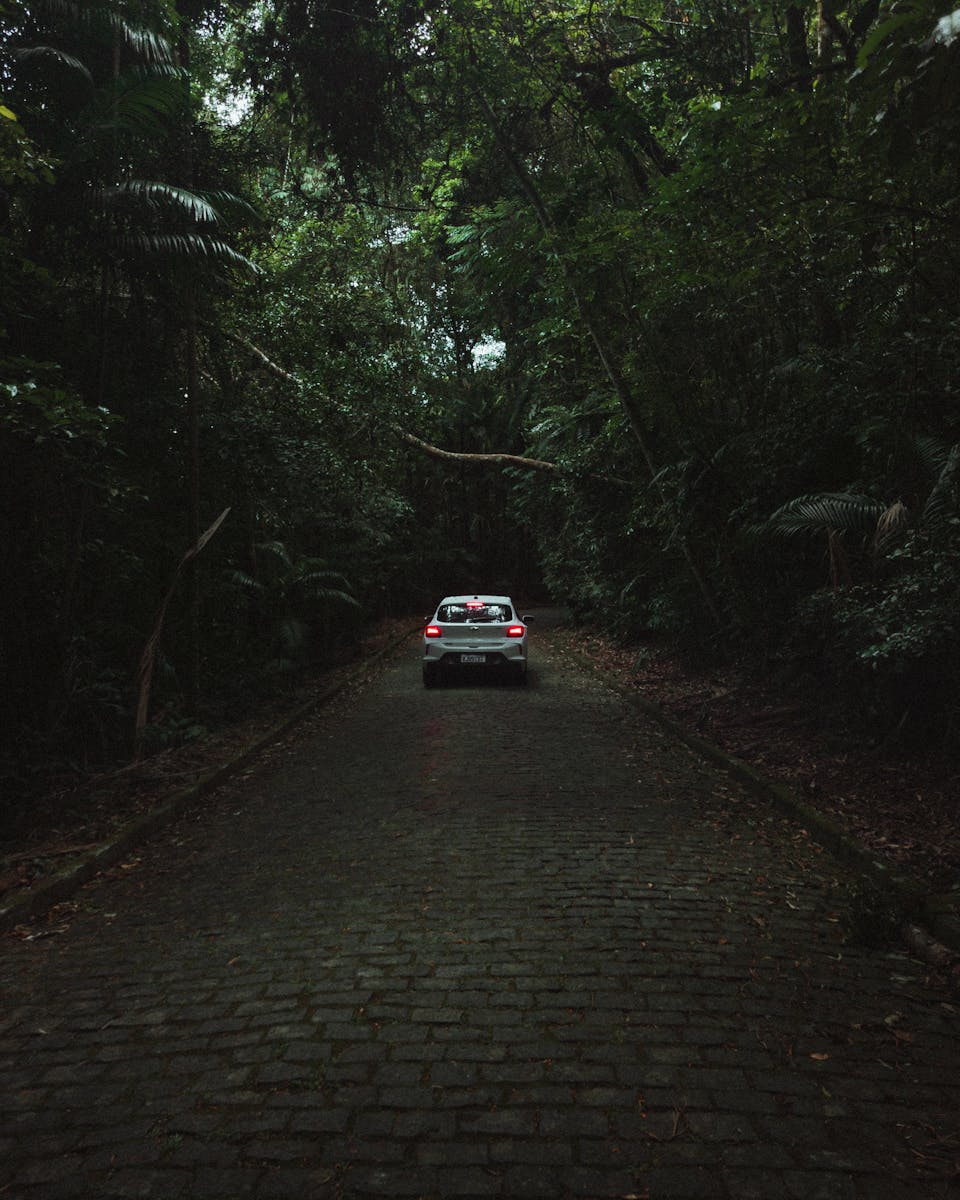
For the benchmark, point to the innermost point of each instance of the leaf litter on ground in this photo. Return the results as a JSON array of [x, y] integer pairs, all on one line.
[[903, 809]]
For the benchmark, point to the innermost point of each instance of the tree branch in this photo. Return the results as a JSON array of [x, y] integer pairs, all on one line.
[[497, 458], [514, 460], [258, 353]]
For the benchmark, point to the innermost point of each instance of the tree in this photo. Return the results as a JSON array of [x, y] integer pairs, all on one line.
[[98, 99]]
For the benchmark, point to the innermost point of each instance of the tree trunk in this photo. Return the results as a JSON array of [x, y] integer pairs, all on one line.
[[193, 494]]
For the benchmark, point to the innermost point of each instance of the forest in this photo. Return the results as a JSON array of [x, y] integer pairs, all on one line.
[[313, 310]]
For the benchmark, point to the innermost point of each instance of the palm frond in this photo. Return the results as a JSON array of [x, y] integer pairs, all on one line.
[[52, 54], [242, 579], [278, 549], [161, 85], [892, 524], [208, 207], [160, 196], [943, 503], [139, 101], [932, 453], [334, 594], [150, 46], [316, 566], [303, 574], [229, 207], [293, 634], [839, 511], [185, 247]]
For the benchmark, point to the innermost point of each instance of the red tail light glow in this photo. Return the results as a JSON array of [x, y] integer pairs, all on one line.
[[515, 631], [432, 631]]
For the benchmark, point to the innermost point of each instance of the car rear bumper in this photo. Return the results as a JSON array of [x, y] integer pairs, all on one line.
[[479, 657]]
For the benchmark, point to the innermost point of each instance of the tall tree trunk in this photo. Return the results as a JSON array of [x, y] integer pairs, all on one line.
[[187, 13], [193, 493]]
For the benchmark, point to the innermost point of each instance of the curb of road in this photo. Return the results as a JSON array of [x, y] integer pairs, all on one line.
[[67, 881], [928, 924]]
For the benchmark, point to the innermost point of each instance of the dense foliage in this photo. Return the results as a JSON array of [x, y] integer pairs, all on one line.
[[703, 259]]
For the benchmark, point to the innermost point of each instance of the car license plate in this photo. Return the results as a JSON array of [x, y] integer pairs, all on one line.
[[473, 658]]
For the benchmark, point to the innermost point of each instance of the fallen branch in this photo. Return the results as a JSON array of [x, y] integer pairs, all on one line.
[[920, 943], [496, 458], [268, 362], [149, 656], [515, 460]]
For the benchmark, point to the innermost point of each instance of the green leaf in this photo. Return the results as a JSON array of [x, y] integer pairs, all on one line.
[[187, 247], [883, 33], [161, 196], [52, 54], [826, 511]]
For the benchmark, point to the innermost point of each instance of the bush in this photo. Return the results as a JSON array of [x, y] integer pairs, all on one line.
[[890, 652]]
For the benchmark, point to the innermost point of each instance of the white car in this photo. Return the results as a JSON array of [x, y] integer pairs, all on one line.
[[475, 633]]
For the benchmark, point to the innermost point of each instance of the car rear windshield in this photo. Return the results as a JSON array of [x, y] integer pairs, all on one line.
[[458, 614]]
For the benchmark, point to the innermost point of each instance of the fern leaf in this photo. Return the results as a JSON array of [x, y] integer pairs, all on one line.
[[840, 511]]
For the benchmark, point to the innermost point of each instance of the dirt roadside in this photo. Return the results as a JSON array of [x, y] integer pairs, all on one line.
[[80, 813]]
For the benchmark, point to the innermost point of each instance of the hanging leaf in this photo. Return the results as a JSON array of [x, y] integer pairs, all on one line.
[[188, 247]]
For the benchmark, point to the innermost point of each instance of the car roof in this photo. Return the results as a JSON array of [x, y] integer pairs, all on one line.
[[477, 596]]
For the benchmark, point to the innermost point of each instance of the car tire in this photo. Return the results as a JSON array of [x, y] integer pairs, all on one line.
[[430, 678]]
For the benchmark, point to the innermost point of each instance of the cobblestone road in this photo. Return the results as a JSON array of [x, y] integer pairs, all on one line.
[[479, 941]]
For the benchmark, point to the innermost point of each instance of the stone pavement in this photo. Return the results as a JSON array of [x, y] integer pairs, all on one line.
[[478, 941]]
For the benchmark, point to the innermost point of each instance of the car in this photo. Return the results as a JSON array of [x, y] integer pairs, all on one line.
[[474, 633]]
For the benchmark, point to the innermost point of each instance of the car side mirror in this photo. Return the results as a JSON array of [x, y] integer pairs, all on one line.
[[526, 620]]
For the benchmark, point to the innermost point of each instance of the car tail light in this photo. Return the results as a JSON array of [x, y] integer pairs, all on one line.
[[432, 631], [515, 631]]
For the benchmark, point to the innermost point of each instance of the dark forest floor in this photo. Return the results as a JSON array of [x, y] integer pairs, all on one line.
[[905, 810], [81, 811]]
